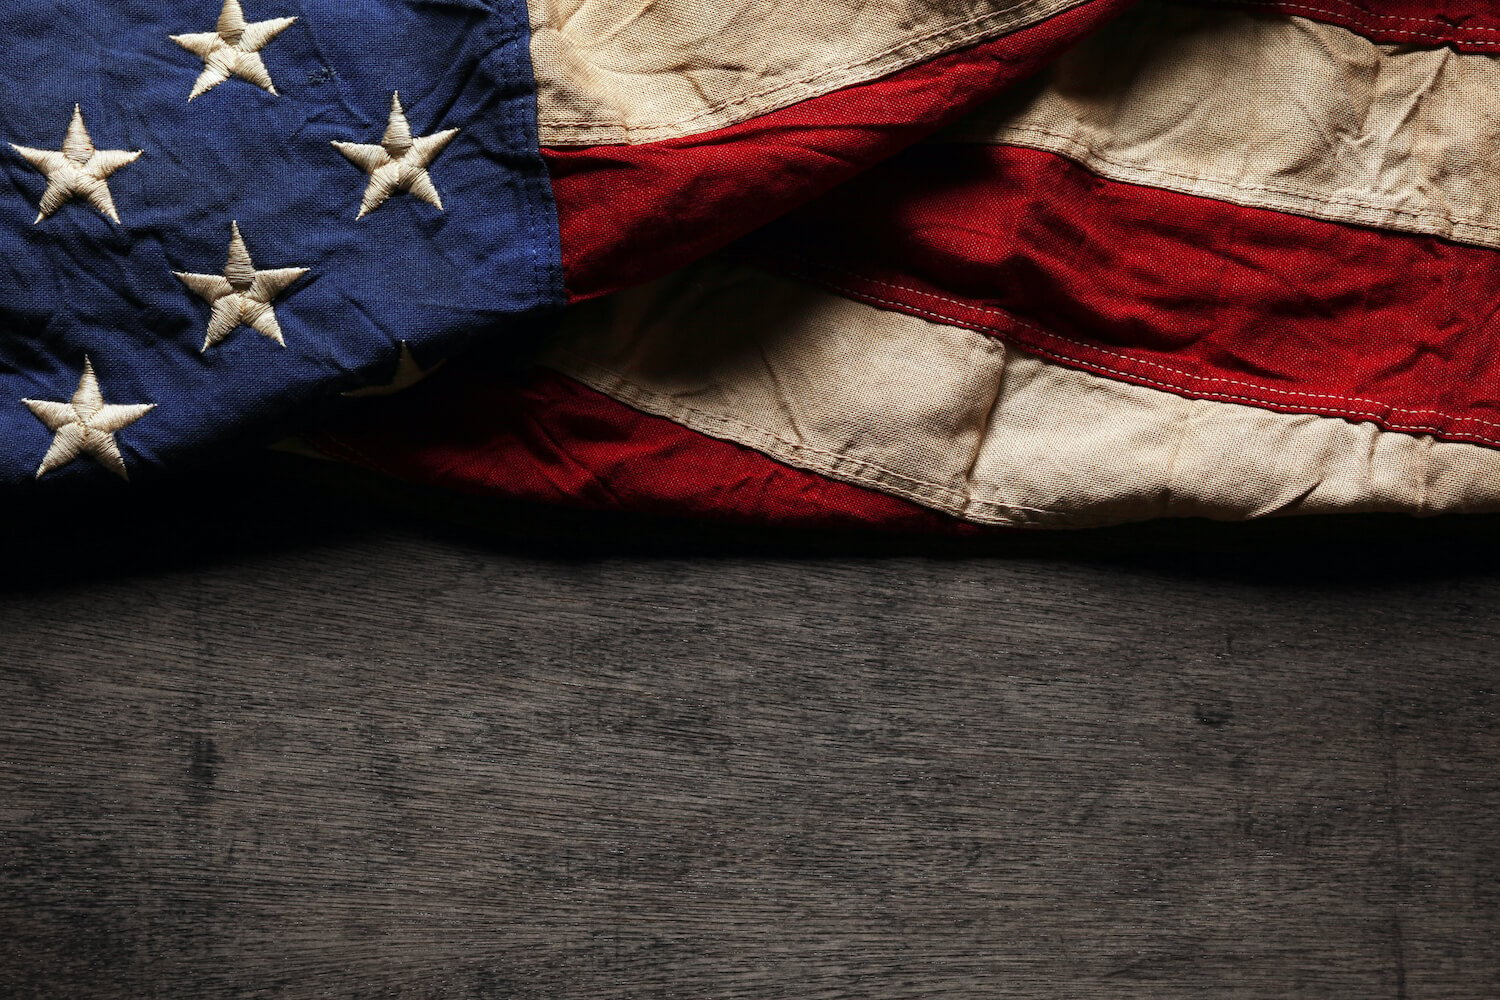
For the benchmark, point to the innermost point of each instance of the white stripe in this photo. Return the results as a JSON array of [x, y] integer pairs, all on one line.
[[1273, 112], [622, 71], [956, 421]]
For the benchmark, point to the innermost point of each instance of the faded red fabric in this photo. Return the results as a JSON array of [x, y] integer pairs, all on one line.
[[558, 442], [1172, 291], [629, 214], [1466, 25]]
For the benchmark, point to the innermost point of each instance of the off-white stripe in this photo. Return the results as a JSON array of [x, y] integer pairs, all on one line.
[[955, 420], [623, 71], [1275, 112]]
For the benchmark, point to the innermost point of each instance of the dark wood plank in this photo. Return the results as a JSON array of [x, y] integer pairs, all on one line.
[[261, 743]]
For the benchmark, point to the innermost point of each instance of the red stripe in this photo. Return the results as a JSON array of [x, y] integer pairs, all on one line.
[[556, 441], [632, 213], [1467, 25], [1200, 297]]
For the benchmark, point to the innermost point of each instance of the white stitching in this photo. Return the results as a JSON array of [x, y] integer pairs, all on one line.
[[1453, 31], [623, 383], [931, 491], [1387, 409]]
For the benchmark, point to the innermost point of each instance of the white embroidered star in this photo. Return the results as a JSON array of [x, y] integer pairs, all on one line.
[[241, 295], [408, 373], [85, 425], [233, 49], [78, 170], [399, 162]]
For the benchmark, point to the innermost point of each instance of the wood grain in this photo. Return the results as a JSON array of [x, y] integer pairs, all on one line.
[[263, 740]]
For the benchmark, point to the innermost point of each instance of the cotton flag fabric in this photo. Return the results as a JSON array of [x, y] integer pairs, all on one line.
[[911, 264], [214, 269], [227, 210], [1222, 260]]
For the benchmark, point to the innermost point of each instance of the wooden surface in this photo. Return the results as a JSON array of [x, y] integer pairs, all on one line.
[[264, 739]]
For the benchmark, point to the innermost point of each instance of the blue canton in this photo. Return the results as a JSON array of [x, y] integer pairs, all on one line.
[[290, 229]]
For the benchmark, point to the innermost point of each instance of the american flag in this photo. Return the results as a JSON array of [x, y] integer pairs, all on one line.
[[916, 264]]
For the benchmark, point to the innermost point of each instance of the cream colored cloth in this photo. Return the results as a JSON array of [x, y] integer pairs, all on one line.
[[1272, 112], [628, 71], [959, 422]]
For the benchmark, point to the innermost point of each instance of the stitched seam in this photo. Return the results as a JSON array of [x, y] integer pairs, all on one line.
[[1088, 154], [1364, 15], [1386, 409], [955, 502], [342, 450], [956, 498], [1214, 394], [979, 24]]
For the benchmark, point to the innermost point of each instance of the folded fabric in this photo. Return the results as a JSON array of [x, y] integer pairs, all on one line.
[[1215, 260], [916, 263], [218, 212]]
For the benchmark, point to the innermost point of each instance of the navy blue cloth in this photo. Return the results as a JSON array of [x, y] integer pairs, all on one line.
[[79, 285]]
